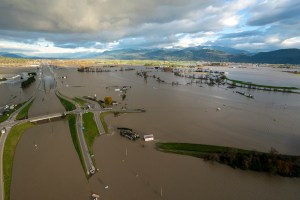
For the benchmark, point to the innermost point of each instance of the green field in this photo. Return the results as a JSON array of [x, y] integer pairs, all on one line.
[[91, 131], [23, 114], [67, 104], [72, 126], [9, 152], [272, 162]]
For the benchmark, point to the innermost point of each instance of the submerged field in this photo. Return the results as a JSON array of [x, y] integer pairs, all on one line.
[[183, 113]]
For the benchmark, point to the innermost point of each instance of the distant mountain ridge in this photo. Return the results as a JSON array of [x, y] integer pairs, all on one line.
[[198, 53], [10, 55], [207, 53]]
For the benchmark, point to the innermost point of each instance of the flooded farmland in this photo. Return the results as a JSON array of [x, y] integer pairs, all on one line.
[[180, 113], [46, 165]]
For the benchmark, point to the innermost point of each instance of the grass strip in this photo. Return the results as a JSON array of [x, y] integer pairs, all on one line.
[[8, 154], [102, 119], [80, 101], [90, 130], [262, 86], [273, 162], [23, 114], [67, 104], [72, 126]]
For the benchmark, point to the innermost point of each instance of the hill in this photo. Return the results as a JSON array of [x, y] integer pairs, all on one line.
[[10, 55], [199, 53], [203, 53], [282, 56]]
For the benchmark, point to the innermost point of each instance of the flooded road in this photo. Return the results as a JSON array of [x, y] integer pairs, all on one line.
[[46, 101], [183, 113]]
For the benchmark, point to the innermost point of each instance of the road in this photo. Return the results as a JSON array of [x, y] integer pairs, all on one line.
[[10, 122], [2, 141], [96, 111], [79, 126], [85, 151]]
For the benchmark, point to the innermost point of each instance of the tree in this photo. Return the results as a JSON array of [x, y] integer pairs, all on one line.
[[123, 97], [108, 100]]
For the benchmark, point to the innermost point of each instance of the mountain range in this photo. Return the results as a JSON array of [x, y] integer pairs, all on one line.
[[198, 53]]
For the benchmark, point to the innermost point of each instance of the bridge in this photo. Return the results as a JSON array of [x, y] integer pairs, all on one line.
[[46, 117]]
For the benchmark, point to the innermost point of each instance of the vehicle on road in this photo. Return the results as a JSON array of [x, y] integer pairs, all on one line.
[[3, 131]]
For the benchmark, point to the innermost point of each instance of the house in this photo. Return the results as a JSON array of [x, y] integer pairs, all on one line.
[[149, 137]]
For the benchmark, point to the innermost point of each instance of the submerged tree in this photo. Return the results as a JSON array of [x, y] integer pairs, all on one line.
[[108, 100]]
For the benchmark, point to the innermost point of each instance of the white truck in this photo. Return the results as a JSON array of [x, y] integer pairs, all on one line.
[[3, 131]]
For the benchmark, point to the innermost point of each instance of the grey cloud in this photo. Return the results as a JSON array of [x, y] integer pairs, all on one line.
[[90, 16], [104, 24], [273, 11]]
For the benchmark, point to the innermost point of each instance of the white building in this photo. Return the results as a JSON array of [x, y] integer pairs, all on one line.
[[149, 137]]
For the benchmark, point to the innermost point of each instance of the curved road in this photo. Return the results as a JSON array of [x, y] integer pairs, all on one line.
[[8, 124]]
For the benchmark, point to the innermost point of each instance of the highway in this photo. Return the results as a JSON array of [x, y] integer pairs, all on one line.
[[85, 151], [8, 124], [79, 129], [96, 110]]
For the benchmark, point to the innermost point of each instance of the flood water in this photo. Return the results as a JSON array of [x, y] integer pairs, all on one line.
[[45, 101], [46, 165], [183, 113], [12, 93]]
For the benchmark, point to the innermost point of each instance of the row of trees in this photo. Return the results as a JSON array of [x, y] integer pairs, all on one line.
[[263, 162], [27, 83]]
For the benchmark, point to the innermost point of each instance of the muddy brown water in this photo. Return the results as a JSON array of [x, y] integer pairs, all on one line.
[[50, 170], [134, 170], [174, 113]]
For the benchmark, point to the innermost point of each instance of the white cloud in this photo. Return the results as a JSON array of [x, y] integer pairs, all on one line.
[[43, 47], [292, 42], [230, 20], [272, 40]]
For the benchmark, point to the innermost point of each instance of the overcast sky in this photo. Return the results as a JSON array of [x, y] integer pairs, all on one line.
[[43, 27]]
